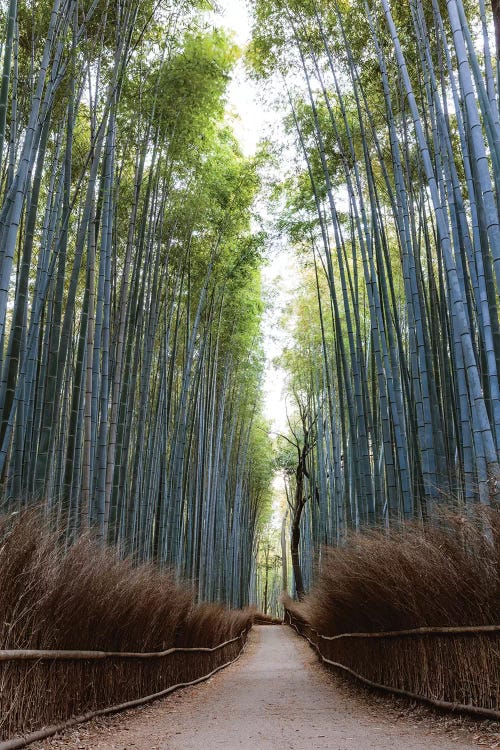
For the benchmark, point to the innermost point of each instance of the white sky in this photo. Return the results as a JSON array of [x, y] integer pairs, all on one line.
[[251, 123]]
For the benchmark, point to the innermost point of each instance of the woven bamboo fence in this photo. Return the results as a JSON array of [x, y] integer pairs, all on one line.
[[44, 691], [452, 668]]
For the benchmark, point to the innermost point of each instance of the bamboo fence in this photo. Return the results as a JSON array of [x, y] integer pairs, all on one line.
[[43, 692], [453, 668]]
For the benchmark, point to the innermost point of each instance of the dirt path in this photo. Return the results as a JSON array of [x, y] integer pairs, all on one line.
[[276, 697]]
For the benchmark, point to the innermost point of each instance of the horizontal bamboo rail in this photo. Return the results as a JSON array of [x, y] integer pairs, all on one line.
[[442, 704], [41, 734], [37, 654], [414, 631], [52, 656]]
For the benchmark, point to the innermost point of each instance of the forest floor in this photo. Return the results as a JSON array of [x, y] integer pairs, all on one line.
[[277, 697]]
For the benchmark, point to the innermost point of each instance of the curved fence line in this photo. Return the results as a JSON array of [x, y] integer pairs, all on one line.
[[71, 687], [489, 713], [38, 654], [41, 734], [414, 631]]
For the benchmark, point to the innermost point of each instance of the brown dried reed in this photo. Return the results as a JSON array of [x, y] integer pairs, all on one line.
[[209, 624], [87, 598], [446, 574], [443, 575]]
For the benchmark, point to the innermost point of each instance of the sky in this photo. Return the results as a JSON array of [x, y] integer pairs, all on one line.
[[251, 122]]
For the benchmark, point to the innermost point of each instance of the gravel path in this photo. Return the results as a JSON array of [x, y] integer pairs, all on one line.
[[275, 697]]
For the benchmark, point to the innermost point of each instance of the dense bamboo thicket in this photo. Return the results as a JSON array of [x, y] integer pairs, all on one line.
[[86, 598], [393, 205], [130, 299], [447, 576]]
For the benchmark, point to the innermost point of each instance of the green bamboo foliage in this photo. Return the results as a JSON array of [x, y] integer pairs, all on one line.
[[130, 301], [394, 130]]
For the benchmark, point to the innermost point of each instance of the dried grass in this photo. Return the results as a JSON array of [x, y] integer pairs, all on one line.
[[87, 598], [446, 575], [209, 624]]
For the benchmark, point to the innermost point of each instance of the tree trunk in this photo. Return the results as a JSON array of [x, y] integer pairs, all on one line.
[[297, 513], [266, 584], [297, 571], [284, 566]]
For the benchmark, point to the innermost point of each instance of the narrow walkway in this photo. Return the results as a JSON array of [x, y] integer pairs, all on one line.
[[276, 697]]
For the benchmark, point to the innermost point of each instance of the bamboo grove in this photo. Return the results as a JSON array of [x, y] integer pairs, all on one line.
[[392, 203], [130, 298]]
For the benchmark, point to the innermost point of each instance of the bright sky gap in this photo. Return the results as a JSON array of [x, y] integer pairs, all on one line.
[[251, 123]]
